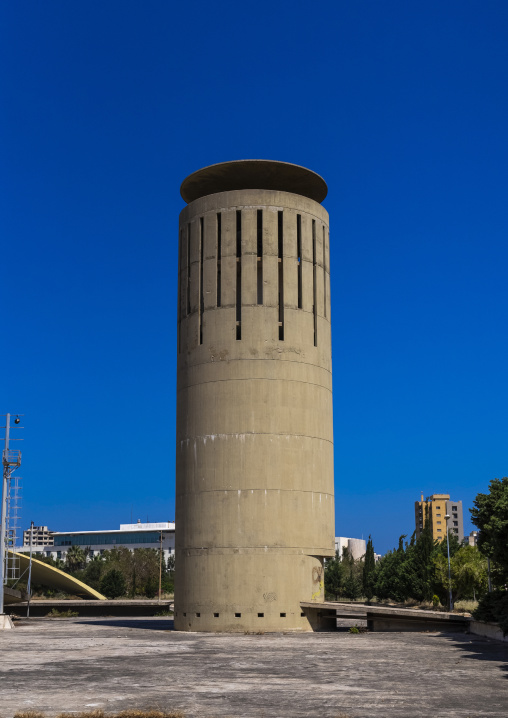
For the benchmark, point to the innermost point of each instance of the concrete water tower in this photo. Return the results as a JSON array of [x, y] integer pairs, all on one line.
[[254, 467]]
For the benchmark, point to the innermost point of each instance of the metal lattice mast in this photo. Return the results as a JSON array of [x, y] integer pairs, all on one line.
[[11, 460]]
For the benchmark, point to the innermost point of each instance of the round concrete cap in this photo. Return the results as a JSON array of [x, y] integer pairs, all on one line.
[[253, 174]]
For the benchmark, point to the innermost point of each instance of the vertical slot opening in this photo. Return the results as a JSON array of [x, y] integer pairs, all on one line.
[[314, 288], [188, 266], [299, 256], [180, 292], [260, 255], [219, 257], [280, 243], [238, 274], [324, 270], [201, 298]]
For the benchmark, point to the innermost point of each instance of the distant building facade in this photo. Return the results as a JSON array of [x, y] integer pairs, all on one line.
[[472, 539], [355, 547], [435, 508], [131, 536], [38, 536]]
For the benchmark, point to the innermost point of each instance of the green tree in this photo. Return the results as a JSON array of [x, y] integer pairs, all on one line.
[[334, 576], [490, 515], [369, 571], [352, 585], [453, 542], [469, 573], [113, 584], [390, 580], [75, 558], [420, 568], [93, 572]]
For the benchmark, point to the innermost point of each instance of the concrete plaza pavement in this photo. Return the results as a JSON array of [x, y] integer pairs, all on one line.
[[56, 665]]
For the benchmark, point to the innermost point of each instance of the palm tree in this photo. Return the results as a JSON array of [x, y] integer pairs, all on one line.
[[75, 558]]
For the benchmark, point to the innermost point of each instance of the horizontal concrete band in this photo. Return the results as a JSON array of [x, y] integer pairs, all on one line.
[[243, 408], [204, 303], [205, 313], [250, 518], [216, 339], [254, 462], [291, 369], [215, 381], [269, 200], [266, 493], [315, 551]]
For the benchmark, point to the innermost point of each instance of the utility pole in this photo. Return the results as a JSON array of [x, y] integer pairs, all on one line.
[[29, 585], [160, 568], [11, 460]]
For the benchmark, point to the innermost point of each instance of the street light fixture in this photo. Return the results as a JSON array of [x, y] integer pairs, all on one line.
[[447, 518]]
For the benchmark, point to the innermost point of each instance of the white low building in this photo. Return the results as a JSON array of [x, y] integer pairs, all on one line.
[[131, 536], [355, 547]]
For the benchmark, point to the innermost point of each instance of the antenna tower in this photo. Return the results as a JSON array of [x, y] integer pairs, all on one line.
[[9, 508]]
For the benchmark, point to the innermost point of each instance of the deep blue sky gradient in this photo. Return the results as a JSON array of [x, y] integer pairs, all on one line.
[[402, 107]]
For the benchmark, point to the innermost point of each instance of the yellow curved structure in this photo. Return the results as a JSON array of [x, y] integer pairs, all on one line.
[[53, 577]]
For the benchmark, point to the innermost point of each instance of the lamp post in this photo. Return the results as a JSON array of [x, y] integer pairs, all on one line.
[[447, 518]]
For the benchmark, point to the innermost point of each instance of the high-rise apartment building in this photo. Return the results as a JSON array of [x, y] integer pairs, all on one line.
[[38, 536], [435, 508]]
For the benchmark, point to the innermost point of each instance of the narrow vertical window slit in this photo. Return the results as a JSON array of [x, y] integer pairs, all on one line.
[[314, 288], [238, 274], [260, 255], [219, 257], [299, 256], [280, 237], [188, 267], [201, 298], [324, 271]]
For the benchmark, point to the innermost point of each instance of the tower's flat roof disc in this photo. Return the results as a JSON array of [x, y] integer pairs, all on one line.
[[254, 174]]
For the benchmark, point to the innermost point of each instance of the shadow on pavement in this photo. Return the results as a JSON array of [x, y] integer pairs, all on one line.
[[148, 624], [480, 649]]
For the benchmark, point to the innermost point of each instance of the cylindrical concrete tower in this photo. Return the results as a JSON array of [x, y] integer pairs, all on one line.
[[254, 467]]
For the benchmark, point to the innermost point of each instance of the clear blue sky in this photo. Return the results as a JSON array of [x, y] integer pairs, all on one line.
[[401, 106]]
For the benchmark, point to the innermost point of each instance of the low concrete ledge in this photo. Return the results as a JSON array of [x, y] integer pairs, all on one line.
[[388, 618], [487, 630], [5, 622], [117, 607]]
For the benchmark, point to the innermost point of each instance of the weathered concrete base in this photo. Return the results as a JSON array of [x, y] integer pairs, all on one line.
[[5, 622], [488, 630]]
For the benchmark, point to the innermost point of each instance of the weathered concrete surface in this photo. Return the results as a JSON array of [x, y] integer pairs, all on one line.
[[106, 608], [488, 630], [388, 618], [73, 664]]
